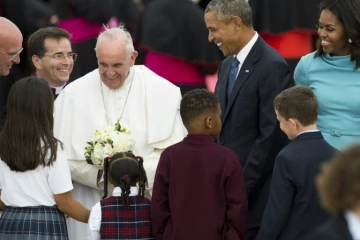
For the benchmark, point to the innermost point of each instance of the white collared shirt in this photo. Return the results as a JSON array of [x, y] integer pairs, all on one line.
[[315, 130], [244, 52], [353, 222], [59, 89], [93, 232]]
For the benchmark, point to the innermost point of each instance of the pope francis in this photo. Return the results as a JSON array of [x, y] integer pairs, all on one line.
[[117, 90]]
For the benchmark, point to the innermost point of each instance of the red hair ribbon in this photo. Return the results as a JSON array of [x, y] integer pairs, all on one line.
[[125, 176]]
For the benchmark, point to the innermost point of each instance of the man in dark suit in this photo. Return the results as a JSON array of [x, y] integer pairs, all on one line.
[[248, 81], [52, 56], [293, 209]]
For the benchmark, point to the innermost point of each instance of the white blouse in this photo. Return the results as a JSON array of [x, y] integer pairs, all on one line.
[[36, 187]]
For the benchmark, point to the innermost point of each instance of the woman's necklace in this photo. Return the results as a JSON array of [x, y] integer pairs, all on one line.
[[103, 99]]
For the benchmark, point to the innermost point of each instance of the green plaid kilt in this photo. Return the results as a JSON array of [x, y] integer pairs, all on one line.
[[30, 223]]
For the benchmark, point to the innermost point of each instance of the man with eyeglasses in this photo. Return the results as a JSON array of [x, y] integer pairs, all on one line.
[[10, 45], [10, 48], [52, 57]]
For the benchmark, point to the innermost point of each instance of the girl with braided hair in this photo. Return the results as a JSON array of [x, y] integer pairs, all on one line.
[[125, 214]]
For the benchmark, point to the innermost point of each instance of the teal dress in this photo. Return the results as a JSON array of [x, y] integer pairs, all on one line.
[[337, 87]]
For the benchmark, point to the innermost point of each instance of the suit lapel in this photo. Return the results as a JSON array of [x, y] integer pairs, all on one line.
[[221, 87], [246, 70]]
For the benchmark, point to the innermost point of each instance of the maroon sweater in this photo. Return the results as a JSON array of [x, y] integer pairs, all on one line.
[[199, 192]]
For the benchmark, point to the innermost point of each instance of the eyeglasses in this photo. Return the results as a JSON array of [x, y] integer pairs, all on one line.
[[61, 56], [12, 57]]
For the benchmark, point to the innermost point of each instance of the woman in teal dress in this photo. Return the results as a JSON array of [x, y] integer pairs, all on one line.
[[333, 72]]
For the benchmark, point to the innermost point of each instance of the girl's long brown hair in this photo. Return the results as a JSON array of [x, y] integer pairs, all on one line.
[[27, 140]]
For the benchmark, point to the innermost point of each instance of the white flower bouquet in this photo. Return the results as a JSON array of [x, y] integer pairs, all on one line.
[[108, 142]]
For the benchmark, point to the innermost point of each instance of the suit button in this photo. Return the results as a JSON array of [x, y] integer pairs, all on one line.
[[222, 142]]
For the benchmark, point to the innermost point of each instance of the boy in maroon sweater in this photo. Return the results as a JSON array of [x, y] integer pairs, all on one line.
[[199, 191]]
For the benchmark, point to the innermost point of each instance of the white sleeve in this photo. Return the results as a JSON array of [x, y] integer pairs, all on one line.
[[150, 165], [59, 174], [1, 174], [93, 231], [85, 174]]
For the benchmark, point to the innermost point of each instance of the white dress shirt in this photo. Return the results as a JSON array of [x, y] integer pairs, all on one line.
[[353, 222], [244, 52], [93, 232], [315, 130]]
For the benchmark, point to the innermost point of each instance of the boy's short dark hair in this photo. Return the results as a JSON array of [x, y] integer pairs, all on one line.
[[197, 102], [298, 102]]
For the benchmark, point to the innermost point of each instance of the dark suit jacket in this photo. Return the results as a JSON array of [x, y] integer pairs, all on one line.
[[293, 208], [334, 229], [250, 127], [199, 192]]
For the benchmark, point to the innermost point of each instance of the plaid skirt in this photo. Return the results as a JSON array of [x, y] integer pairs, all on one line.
[[30, 223]]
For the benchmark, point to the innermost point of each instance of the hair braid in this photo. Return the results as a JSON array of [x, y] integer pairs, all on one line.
[[142, 176], [125, 190], [105, 171]]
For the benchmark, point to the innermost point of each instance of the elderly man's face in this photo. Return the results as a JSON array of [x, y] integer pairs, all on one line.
[[114, 62], [9, 54]]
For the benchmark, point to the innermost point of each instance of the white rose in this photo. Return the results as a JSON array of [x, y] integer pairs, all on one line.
[[108, 150], [98, 155], [122, 142]]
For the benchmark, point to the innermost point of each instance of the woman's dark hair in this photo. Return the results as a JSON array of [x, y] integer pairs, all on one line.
[[27, 140], [125, 170], [348, 13]]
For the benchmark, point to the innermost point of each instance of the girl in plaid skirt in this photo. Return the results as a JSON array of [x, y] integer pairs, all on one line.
[[35, 181], [126, 214]]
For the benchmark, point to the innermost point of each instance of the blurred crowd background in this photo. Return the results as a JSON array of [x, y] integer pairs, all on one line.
[[169, 34]]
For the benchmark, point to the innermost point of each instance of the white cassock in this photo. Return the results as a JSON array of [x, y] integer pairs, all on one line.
[[148, 104]]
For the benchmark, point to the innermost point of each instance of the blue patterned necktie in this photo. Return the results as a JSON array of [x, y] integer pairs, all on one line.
[[232, 77]]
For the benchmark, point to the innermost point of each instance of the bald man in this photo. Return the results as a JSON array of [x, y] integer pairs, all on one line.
[[10, 45]]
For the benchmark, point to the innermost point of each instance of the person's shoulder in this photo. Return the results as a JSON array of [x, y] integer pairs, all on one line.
[[60, 151], [269, 56], [174, 149], [308, 57], [269, 52], [226, 154], [157, 86], [287, 153], [141, 200], [105, 201], [149, 76]]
